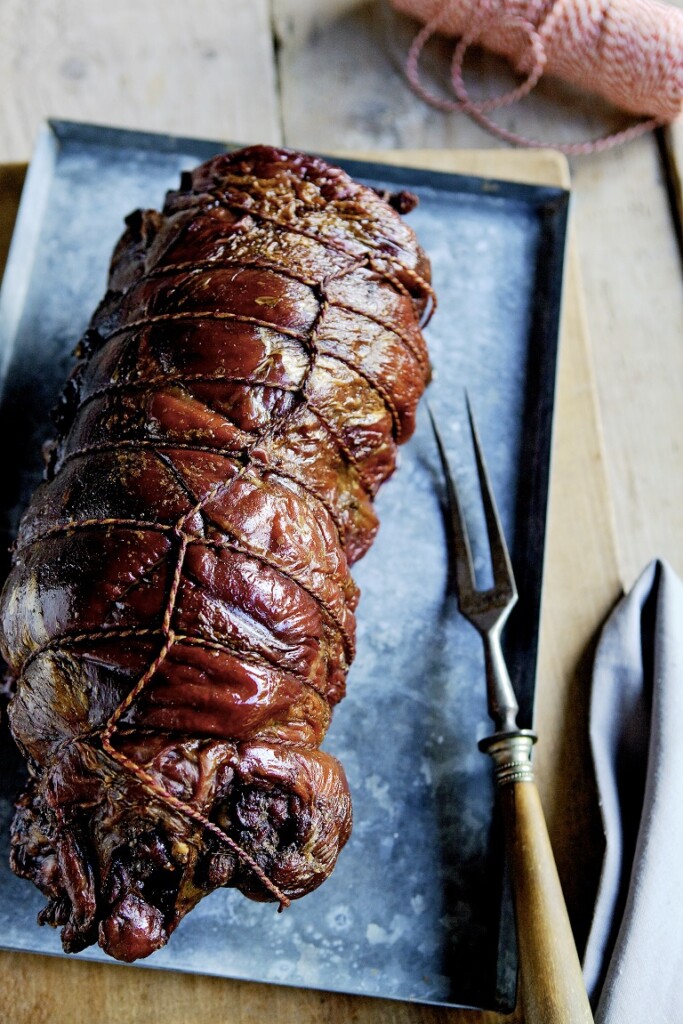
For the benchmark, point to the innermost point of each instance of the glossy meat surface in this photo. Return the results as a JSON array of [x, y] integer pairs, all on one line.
[[179, 617]]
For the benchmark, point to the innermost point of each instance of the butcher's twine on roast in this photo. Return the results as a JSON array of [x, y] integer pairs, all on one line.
[[179, 617]]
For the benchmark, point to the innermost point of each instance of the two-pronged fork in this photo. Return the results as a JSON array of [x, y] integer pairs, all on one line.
[[551, 984]]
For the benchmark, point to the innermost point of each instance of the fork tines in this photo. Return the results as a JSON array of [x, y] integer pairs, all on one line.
[[477, 604]]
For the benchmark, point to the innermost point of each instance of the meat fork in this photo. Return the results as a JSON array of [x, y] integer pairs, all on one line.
[[551, 983]]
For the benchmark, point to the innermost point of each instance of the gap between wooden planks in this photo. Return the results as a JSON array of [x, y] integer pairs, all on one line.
[[38, 990], [672, 137]]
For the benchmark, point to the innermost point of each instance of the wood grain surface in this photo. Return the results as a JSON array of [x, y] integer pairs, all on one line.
[[203, 69]]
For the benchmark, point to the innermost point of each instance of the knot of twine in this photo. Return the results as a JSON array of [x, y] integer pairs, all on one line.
[[628, 51]]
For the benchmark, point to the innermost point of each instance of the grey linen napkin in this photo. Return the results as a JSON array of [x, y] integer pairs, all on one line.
[[634, 956]]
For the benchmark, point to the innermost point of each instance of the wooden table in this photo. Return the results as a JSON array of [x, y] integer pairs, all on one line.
[[324, 75]]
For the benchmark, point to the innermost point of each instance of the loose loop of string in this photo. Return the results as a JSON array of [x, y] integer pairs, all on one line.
[[489, 14]]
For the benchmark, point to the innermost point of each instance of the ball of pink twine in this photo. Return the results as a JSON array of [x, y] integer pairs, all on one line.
[[628, 51]]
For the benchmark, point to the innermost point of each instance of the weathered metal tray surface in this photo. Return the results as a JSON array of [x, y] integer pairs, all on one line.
[[417, 908]]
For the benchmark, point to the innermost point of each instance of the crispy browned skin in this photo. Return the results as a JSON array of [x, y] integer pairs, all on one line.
[[180, 614]]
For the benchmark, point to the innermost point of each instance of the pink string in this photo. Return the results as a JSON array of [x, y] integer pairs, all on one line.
[[629, 51]]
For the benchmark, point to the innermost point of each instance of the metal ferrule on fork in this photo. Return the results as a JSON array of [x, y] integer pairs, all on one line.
[[511, 755]]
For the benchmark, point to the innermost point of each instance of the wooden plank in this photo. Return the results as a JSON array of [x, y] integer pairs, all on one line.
[[581, 584], [39, 989], [203, 69], [542, 167], [632, 273], [44, 990]]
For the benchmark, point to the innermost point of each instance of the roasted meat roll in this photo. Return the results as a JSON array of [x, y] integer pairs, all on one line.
[[179, 616]]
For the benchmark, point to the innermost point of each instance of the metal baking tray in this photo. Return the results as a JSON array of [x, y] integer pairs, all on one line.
[[417, 908]]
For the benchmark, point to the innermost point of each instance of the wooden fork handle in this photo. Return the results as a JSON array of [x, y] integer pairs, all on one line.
[[551, 982]]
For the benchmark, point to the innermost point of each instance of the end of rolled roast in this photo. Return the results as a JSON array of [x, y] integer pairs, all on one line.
[[121, 869]]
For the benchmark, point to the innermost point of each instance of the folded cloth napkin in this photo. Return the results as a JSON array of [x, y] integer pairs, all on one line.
[[634, 956]]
